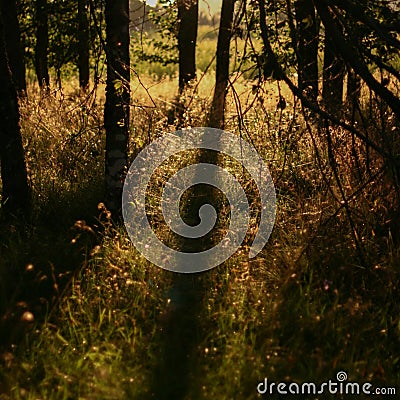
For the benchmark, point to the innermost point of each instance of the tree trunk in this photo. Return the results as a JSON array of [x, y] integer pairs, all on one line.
[[83, 44], [209, 194], [352, 57], [353, 91], [216, 118], [42, 44], [15, 195], [12, 36], [333, 76], [307, 48], [116, 111], [188, 15]]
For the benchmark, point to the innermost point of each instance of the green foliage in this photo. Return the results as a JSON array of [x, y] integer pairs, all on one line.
[[63, 34], [206, 46], [63, 28], [253, 59], [159, 46], [367, 37]]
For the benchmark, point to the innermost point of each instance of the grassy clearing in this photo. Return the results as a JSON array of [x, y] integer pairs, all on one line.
[[108, 325]]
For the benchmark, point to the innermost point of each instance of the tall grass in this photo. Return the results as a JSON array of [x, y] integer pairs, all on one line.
[[304, 309]]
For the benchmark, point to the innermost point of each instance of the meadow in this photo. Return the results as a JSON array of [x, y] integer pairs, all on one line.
[[85, 316]]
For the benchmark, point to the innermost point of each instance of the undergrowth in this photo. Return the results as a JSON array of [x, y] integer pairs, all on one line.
[[311, 304]]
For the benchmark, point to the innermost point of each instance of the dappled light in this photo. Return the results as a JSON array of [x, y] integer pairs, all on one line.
[[199, 200]]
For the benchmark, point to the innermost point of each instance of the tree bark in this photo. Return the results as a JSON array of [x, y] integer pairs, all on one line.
[[209, 194], [116, 111], [217, 114], [83, 44], [307, 48], [188, 15], [353, 94], [351, 56], [12, 37], [15, 194], [333, 77], [42, 44]]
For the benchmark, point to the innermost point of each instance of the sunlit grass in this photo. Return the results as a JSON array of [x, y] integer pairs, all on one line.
[[304, 309]]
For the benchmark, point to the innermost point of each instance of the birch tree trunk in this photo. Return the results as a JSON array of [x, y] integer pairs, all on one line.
[[116, 111], [217, 114], [188, 15]]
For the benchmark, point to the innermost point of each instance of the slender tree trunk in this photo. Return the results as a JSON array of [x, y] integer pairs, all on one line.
[[116, 111], [42, 44], [83, 44], [188, 15], [353, 90], [216, 118], [307, 47], [333, 76], [210, 194], [15, 195], [12, 36]]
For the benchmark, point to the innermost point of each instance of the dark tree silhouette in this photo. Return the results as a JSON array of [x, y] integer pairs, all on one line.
[[42, 44], [216, 118], [15, 195], [12, 36], [83, 44], [188, 16], [116, 111], [333, 77], [353, 58], [307, 47], [353, 92]]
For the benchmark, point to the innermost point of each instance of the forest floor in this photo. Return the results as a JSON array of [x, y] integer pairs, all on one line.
[[85, 316]]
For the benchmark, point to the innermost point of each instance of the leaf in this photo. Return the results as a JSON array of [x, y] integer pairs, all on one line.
[[308, 21], [118, 86]]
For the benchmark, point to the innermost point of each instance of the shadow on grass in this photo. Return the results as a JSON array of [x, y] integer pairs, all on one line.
[[181, 332], [38, 258], [180, 335]]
